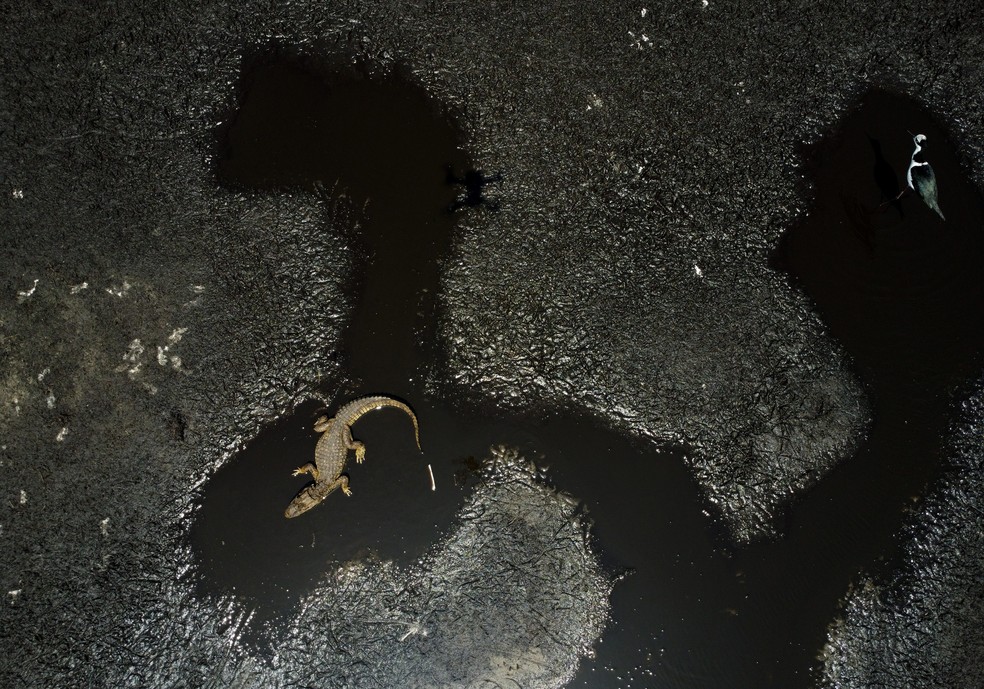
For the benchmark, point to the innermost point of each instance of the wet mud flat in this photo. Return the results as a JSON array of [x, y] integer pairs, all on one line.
[[728, 616], [170, 335], [919, 623]]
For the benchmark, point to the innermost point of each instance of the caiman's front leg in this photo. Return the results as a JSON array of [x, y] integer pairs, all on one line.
[[323, 490], [308, 468], [360, 449], [343, 484]]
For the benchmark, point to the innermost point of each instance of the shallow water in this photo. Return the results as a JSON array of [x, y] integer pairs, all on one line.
[[896, 288]]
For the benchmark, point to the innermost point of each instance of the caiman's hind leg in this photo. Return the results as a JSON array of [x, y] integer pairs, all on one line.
[[308, 468], [360, 449]]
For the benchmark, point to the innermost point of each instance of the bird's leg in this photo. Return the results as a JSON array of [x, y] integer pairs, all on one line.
[[902, 193]]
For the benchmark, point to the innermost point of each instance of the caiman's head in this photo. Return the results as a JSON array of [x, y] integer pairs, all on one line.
[[304, 501]]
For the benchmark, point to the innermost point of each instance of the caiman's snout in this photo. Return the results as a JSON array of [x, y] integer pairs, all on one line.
[[301, 504]]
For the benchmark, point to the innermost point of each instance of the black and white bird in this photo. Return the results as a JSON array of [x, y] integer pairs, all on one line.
[[921, 177]]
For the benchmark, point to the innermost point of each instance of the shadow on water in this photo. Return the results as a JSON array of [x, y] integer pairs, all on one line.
[[894, 284]]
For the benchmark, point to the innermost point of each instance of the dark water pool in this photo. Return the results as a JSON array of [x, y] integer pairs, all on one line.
[[895, 285]]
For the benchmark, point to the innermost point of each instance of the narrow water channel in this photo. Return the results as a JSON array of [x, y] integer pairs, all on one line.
[[896, 288]]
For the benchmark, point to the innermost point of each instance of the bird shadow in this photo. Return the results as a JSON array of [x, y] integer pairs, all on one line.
[[884, 174], [474, 183]]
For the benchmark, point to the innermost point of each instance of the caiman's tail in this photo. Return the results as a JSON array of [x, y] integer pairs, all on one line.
[[354, 410]]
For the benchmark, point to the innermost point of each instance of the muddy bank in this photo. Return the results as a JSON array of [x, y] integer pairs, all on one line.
[[154, 321], [921, 624]]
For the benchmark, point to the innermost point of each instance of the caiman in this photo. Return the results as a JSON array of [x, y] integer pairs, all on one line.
[[331, 452]]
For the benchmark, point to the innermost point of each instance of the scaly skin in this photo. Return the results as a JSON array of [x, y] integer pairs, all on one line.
[[332, 451]]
